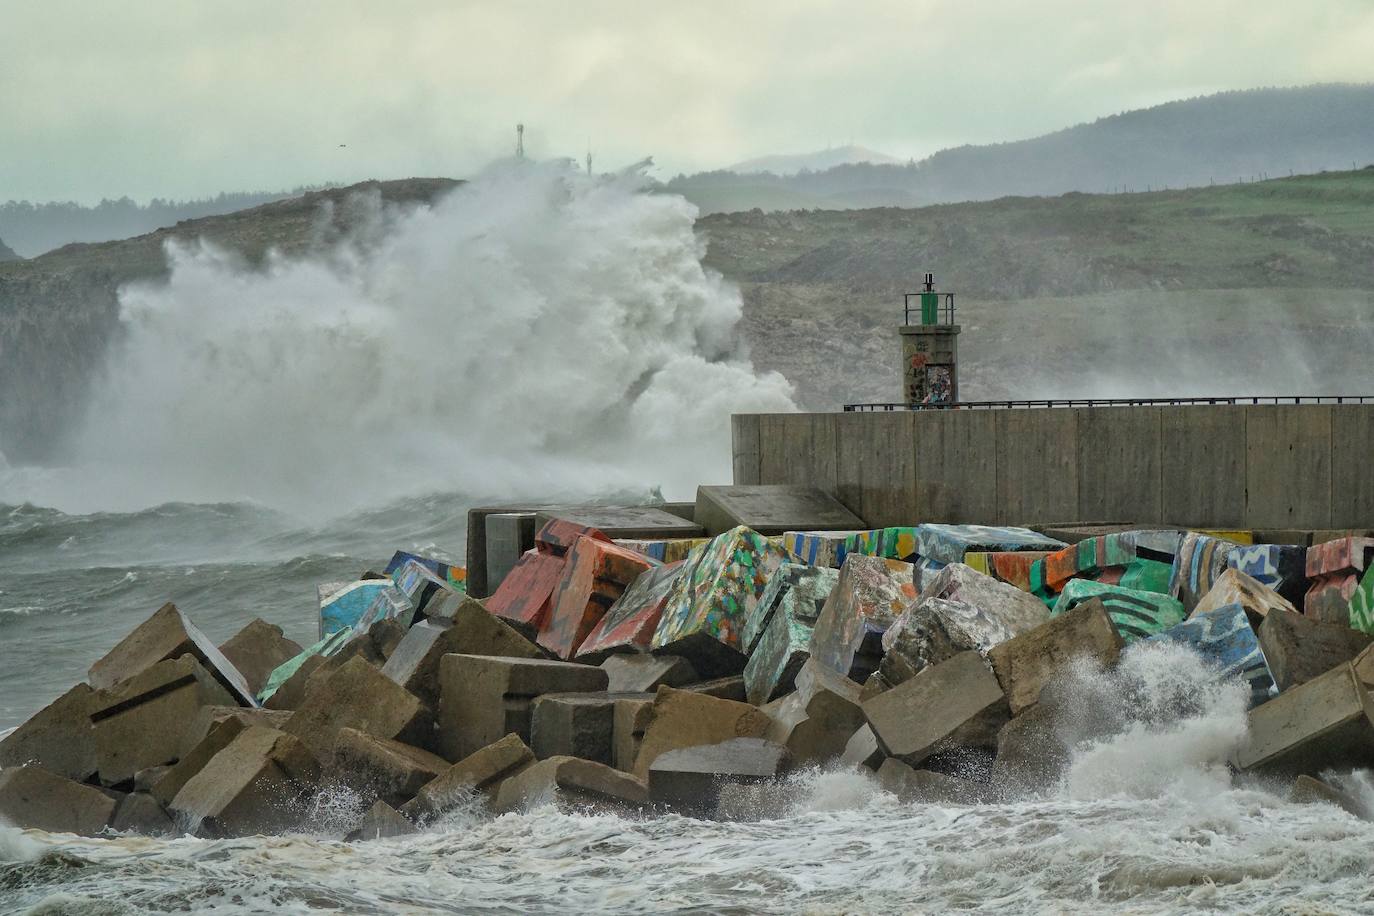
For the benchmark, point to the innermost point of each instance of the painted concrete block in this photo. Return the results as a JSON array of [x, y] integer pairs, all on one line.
[[595, 575], [1136, 615], [706, 609], [868, 597], [801, 589], [772, 509], [784, 621], [358, 605], [1235, 587], [525, 598], [949, 543], [1200, 562], [895, 543], [671, 550], [1225, 638], [1012, 567], [1090, 556], [817, 548], [1334, 568], [630, 623], [455, 576], [1282, 567], [556, 536]]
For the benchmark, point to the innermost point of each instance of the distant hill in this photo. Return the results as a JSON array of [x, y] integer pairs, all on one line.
[[7, 253], [791, 163], [1226, 138]]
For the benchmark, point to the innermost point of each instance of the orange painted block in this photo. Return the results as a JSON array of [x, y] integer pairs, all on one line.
[[595, 574]]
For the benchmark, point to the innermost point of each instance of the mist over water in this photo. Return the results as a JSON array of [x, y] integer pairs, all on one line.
[[536, 331]]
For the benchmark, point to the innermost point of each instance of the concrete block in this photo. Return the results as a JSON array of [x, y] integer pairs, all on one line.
[[1299, 648], [725, 688], [286, 693], [801, 590], [421, 586], [671, 550], [58, 737], [629, 625], [595, 575], [1029, 662], [481, 772], [571, 784], [772, 509], [925, 787], [1204, 463], [691, 778], [166, 787], [1362, 603], [1307, 790], [525, 597], [471, 631], [631, 719], [1281, 567], [1031, 755], [33, 798], [257, 650], [817, 548], [640, 673], [1003, 610], [868, 597], [1011, 567], [1139, 574], [139, 812], [359, 696], [816, 721], [209, 717], [509, 536], [255, 785], [1225, 638], [953, 705], [681, 718], [576, 725], [861, 750], [476, 553], [358, 605], [1200, 562], [629, 522], [380, 768], [1135, 614], [1322, 724], [381, 822], [141, 722], [1091, 556], [483, 699], [167, 634], [780, 653], [1328, 597], [454, 577], [706, 609], [949, 543], [1334, 568], [893, 543], [1235, 587], [557, 536]]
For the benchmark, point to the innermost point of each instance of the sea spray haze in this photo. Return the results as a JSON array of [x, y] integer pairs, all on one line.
[[535, 331]]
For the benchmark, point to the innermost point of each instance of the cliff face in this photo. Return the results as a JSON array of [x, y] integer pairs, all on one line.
[[60, 311], [7, 253]]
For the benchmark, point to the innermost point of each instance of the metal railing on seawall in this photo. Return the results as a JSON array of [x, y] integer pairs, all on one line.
[[1120, 402]]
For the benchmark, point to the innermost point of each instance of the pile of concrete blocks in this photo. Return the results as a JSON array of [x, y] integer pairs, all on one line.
[[599, 679]]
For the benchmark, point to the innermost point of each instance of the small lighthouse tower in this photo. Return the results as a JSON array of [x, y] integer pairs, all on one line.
[[930, 348]]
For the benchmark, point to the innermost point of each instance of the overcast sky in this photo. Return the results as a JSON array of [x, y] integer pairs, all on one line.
[[178, 99]]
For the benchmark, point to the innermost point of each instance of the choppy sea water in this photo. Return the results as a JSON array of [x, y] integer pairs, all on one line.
[[1146, 819]]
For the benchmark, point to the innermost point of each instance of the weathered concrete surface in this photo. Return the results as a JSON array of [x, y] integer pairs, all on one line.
[[509, 535], [139, 812], [1307, 790], [1352, 486], [1037, 464], [869, 596], [32, 797], [359, 696], [255, 785], [861, 750], [571, 784], [641, 673], [685, 719], [1120, 463], [415, 662], [1205, 457], [927, 787], [210, 718], [1235, 587], [595, 574], [796, 448], [955, 704], [955, 459], [1031, 755], [381, 768], [691, 778], [381, 822], [483, 699], [772, 509], [292, 691], [1300, 649], [1024, 665], [876, 467], [479, 772], [629, 625], [925, 634], [706, 610], [726, 688], [948, 544], [141, 722], [744, 448], [576, 725], [634, 522], [58, 737], [816, 721], [166, 786], [630, 720], [1288, 466], [1324, 723], [257, 650], [165, 635]]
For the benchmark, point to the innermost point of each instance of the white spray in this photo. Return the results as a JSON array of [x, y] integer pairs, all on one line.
[[535, 331]]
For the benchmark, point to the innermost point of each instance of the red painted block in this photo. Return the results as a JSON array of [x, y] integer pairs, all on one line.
[[595, 574], [524, 598], [558, 536], [630, 623]]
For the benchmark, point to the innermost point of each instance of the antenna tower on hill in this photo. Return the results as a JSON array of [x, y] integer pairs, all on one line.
[[519, 141]]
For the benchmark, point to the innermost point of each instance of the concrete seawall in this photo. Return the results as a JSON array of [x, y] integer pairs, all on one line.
[[1269, 466]]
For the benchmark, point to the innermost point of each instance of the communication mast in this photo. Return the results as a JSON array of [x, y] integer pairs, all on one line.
[[589, 161], [519, 141]]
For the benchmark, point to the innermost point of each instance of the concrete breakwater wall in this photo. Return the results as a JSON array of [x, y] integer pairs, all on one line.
[[1266, 466]]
